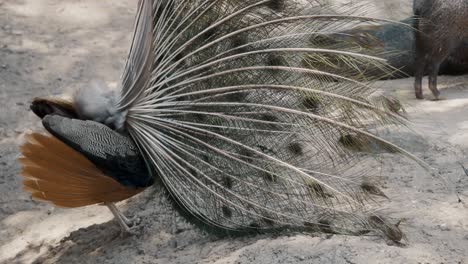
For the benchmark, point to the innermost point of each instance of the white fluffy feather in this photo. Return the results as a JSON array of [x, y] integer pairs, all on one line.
[[98, 102]]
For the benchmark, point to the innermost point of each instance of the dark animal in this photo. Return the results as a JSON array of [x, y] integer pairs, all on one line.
[[441, 29], [396, 43]]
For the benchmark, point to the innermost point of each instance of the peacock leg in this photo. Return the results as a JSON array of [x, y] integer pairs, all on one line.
[[126, 224]]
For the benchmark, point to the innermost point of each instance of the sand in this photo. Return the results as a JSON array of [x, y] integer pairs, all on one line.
[[48, 47]]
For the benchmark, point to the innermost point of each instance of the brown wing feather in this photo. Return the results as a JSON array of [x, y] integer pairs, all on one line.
[[58, 174], [41, 172], [55, 152]]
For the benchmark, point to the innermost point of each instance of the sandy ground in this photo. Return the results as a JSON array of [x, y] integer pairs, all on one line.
[[51, 46]]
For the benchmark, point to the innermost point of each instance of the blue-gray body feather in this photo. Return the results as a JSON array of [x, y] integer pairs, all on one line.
[[115, 154]]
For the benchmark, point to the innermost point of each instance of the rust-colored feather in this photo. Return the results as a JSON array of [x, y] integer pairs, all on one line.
[[56, 173]]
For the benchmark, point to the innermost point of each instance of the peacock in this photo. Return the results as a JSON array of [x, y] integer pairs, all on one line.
[[252, 115]]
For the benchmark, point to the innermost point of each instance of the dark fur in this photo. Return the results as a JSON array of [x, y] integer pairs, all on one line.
[[440, 31]]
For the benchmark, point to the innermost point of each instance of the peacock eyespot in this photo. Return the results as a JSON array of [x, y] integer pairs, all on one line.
[[209, 34], [197, 117], [246, 155], [367, 187], [325, 225], [269, 118], [238, 96], [239, 44], [269, 177], [372, 189], [265, 149], [275, 60], [228, 182], [311, 103], [272, 119], [227, 212], [268, 221], [317, 190], [179, 56], [311, 226], [192, 172], [323, 40], [350, 141], [393, 105], [391, 231], [296, 148], [276, 5], [204, 157], [375, 220], [254, 225]]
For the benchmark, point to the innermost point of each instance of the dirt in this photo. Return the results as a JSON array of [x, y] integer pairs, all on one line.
[[49, 47]]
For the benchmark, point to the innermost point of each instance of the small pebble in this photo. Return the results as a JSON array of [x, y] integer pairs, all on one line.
[[444, 227], [174, 244], [17, 32]]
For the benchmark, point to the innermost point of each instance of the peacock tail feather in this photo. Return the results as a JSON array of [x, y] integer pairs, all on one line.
[[254, 117]]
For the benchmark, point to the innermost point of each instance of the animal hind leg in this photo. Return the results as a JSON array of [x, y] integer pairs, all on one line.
[[445, 48], [433, 73], [420, 62], [418, 80], [434, 67]]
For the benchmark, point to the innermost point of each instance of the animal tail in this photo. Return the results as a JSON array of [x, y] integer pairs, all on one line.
[[56, 173]]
